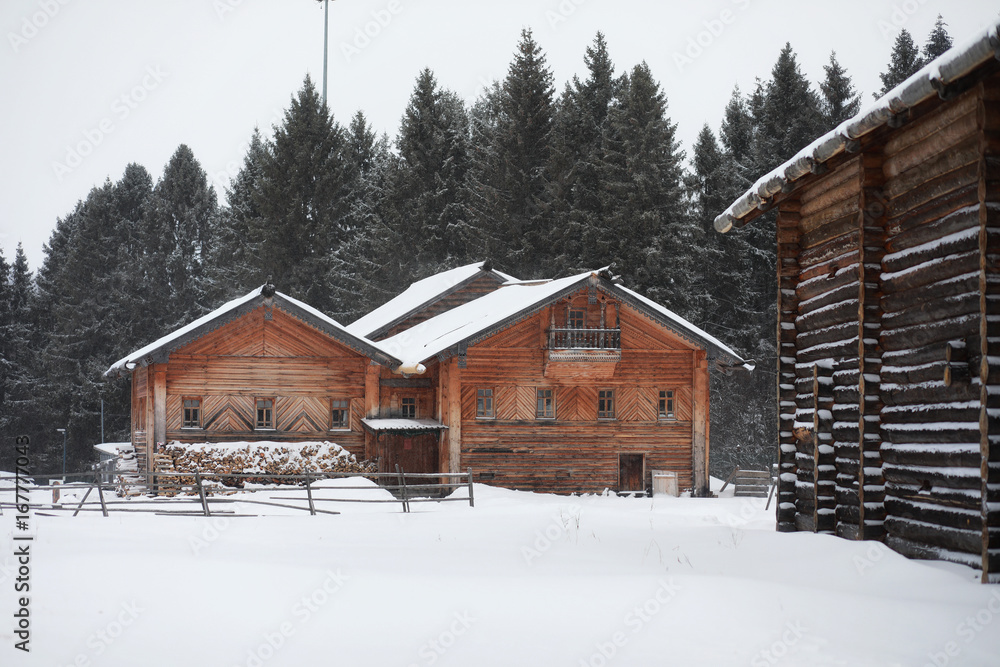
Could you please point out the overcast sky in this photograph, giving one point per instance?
(91, 85)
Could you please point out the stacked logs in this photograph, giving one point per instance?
(266, 458)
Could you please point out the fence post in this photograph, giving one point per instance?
(85, 496)
(100, 494)
(312, 507)
(402, 488)
(201, 493)
(472, 501)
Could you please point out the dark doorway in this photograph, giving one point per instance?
(416, 452)
(631, 469)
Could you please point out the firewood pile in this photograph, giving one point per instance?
(266, 458)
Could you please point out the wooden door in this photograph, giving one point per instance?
(631, 469)
(412, 453)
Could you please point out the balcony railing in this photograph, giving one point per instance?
(568, 338)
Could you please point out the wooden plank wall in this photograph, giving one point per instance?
(932, 313)
(576, 451)
(256, 357)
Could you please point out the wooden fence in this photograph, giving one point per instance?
(196, 488)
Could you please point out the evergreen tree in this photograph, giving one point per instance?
(180, 219)
(938, 41)
(485, 182)
(18, 373)
(737, 134)
(578, 143)
(302, 200)
(790, 115)
(840, 101)
(904, 61)
(236, 264)
(427, 190)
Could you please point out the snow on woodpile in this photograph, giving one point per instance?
(274, 458)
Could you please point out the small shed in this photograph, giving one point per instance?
(888, 260)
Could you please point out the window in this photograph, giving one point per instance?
(666, 405)
(265, 413)
(606, 404)
(576, 319)
(339, 411)
(545, 406)
(484, 403)
(409, 406)
(192, 413)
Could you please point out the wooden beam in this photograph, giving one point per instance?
(159, 405)
(700, 424)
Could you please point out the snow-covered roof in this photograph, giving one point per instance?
(158, 350)
(401, 424)
(513, 302)
(111, 448)
(950, 66)
(419, 295)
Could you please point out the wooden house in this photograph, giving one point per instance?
(575, 384)
(888, 231)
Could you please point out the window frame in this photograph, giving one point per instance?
(189, 424)
(345, 423)
(272, 410)
(666, 405)
(606, 414)
(484, 395)
(545, 410)
(407, 401)
(571, 318)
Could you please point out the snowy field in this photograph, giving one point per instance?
(521, 579)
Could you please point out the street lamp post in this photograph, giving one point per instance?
(63, 431)
(326, 41)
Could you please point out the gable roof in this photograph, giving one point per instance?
(159, 350)
(933, 79)
(420, 295)
(514, 302)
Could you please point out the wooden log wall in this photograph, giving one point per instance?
(266, 355)
(931, 304)
(576, 451)
(826, 344)
(788, 280)
(889, 327)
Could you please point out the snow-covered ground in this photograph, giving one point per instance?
(521, 579)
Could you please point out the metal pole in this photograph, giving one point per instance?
(102, 421)
(63, 431)
(326, 38)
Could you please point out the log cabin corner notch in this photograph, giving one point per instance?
(888, 307)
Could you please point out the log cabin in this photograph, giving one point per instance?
(888, 231)
(570, 385)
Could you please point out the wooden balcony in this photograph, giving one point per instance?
(570, 338)
(594, 351)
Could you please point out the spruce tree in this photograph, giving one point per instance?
(904, 61)
(790, 115)
(18, 373)
(427, 189)
(840, 101)
(938, 41)
(181, 219)
(302, 199)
